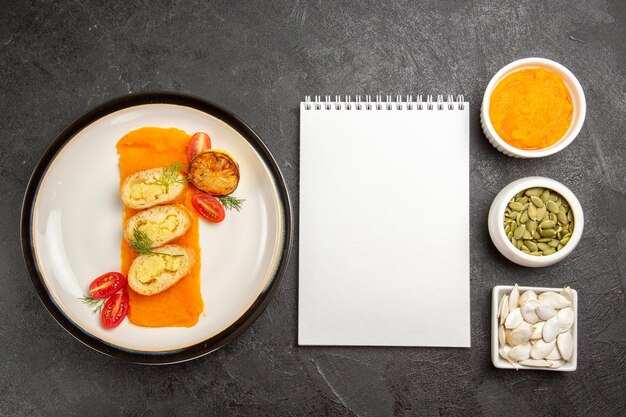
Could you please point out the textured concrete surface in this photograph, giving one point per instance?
(59, 58)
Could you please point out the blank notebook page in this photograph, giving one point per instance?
(384, 225)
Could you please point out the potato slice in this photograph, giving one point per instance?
(214, 172)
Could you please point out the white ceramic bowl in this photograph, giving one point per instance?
(496, 221)
(498, 361)
(578, 100)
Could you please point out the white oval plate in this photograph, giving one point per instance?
(71, 228)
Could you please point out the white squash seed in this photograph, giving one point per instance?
(545, 312)
(527, 296)
(528, 311)
(542, 349)
(514, 319)
(519, 335)
(565, 343)
(513, 298)
(566, 318)
(503, 311)
(551, 329)
(554, 300)
(535, 329)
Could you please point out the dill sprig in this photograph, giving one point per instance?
(95, 304)
(230, 202)
(170, 176)
(142, 243)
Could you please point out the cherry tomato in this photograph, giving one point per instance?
(114, 310)
(199, 142)
(209, 207)
(106, 285)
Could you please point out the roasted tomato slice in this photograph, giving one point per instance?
(209, 207)
(199, 142)
(214, 172)
(106, 285)
(114, 310)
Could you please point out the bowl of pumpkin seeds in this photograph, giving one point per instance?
(535, 221)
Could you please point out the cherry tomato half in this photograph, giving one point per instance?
(114, 310)
(209, 207)
(199, 142)
(106, 285)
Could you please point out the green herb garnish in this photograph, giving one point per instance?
(141, 243)
(170, 176)
(94, 303)
(230, 202)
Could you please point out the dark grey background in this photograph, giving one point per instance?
(59, 58)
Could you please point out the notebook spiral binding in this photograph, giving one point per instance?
(388, 104)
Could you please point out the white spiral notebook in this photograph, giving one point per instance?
(384, 222)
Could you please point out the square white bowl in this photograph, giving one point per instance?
(498, 361)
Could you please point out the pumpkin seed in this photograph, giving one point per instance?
(541, 213)
(552, 207)
(524, 217)
(532, 246)
(543, 246)
(537, 202)
(538, 221)
(534, 192)
(513, 215)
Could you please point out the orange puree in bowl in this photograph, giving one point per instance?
(531, 108)
(181, 304)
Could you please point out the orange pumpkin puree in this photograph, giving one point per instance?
(181, 304)
(531, 108)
